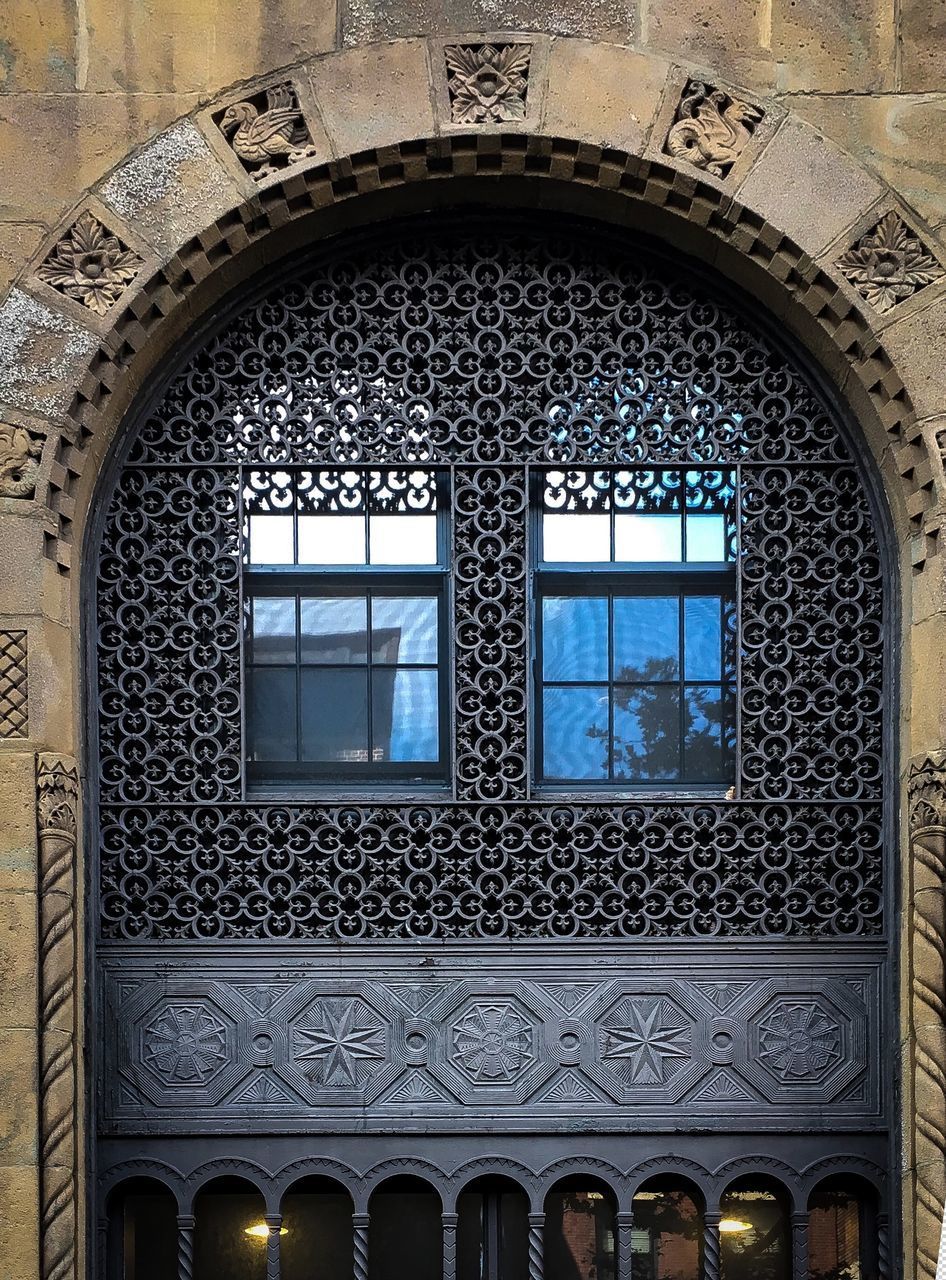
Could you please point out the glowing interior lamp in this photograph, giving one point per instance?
(260, 1231)
(732, 1225)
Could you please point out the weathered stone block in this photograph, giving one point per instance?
(902, 136)
(19, 1213)
(790, 182)
(915, 343)
(201, 45)
(927, 680)
(18, 960)
(365, 20)
(54, 146)
(374, 97)
(922, 46)
(18, 1118)
(18, 831)
(172, 189)
(18, 242)
(42, 355)
(602, 93)
(38, 47)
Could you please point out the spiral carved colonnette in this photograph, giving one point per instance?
(57, 801)
(536, 1232)
(360, 1228)
(928, 980)
(185, 1247)
(711, 1260)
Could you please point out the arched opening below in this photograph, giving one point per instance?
(842, 1230)
(405, 1233)
(492, 1230)
(753, 1231)
(230, 1231)
(142, 1231)
(317, 1220)
(580, 1228)
(667, 1236)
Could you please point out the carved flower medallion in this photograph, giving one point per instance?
(91, 265)
(492, 1043)
(487, 83)
(799, 1040)
(889, 264)
(185, 1044)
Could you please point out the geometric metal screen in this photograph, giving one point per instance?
(489, 357)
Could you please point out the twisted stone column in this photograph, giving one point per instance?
(359, 1224)
(883, 1247)
(927, 943)
(449, 1246)
(536, 1234)
(57, 787)
(711, 1262)
(185, 1246)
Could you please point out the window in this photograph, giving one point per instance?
(636, 627)
(344, 606)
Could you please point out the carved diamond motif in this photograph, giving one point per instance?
(646, 1039)
(889, 264)
(342, 1042)
(186, 1044)
(492, 1043)
(13, 685)
(800, 1040)
(91, 265)
(487, 83)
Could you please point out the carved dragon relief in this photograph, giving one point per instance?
(57, 788)
(927, 793)
(711, 128)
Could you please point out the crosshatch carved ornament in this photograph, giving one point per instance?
(14, 709)
(267, 131)
(19, 461)
(711, 128)
(487, 83)
(889, 263)
(91, 265)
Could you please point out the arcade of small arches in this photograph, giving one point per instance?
(578, 1219)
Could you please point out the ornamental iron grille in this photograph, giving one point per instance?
(259, 934)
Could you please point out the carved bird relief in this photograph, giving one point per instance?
(262, 137)
(710, 134)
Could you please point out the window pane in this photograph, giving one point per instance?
(708, 714)
(647, 734)
(642, 539)
(575, 732)
(647, 638)
(574, 638)
(702, 638)
(402, 539)
(406, 715)
(706, 538)
(335, 715)
(331, 540)
(274, 629)
(404, 629)
(574, 538)
(334, 630)
(271, 540)
(271, 727)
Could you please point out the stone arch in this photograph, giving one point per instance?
(196, 224)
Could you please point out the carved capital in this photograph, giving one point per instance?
(57, 801)
(927, 792)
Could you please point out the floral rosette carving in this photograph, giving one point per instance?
(889, 264)
(91, 265)
(487, 83)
